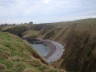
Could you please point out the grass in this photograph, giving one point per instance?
(78, 36)
(31, 34)
(16, 56)
(80, 49)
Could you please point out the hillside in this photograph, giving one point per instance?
(78, 38)
(61, 29)
(17, 56)
(80, 49)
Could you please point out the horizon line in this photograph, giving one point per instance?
(70, 20)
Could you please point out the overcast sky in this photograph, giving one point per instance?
(40, 11)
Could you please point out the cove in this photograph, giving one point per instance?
(49, 50)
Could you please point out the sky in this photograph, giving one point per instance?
(41, 11)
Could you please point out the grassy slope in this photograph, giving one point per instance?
(74, 33)
(16, 56)
(62, 29)
(31, 34)
(80, 40)
(80, 49)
